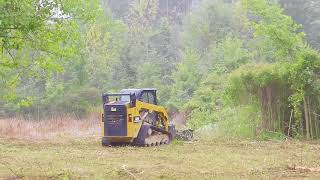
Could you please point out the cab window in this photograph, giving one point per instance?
(151, 98)
(144, 97)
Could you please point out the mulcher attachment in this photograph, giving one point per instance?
(185, 135)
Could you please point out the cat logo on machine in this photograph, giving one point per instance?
(113, 109)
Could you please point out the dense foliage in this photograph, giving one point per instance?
(240, 67)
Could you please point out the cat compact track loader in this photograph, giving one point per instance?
(133, 117)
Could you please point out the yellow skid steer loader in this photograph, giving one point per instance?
(133, 117)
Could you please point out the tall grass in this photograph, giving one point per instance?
(233, 122)
(49, 128)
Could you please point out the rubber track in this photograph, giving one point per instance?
(157, 139)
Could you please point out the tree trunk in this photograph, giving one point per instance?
(316, 125)
(310, 118)
(290, 121)
(306, 118)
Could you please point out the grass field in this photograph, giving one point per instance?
(68, 158)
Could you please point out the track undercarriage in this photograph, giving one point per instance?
(153, 130)
(156, 139)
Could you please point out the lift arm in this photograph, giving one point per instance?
(159, 109)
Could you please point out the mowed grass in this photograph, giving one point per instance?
(68, 158)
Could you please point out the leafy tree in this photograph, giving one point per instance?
(229, 55)
(273, 31)
(209, 24)
(187, 78)
(37, 36)
(307, 13)
(286, 90)
(207, 102)
(77, 51)
(105, 42)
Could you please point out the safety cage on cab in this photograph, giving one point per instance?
(131, 95)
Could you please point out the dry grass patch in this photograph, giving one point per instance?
(202, 159)
(70, 148)
(19, 128)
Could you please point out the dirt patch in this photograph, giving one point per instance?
(304, 168)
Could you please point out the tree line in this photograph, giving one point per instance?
(247, 67)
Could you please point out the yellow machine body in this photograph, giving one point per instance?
(122, 121)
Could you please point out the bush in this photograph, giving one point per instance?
(235, 122)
